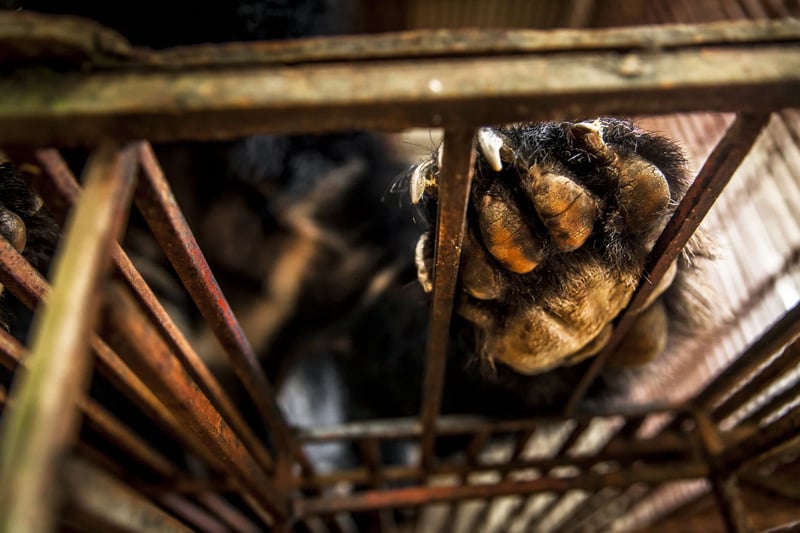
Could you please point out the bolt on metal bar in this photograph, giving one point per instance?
(723, 483)
(41, 426)
(707, 186)
(103, 503)
(142, 347)
(156, 203)
(458, 160)
(417, 496)
(67, 189)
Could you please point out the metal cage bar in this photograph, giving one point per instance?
(41, 425)
(231, 90)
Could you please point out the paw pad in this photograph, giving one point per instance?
(561, 217)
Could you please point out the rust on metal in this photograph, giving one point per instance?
(19, 277)
(40, 428)
(13, 355)
(570, 440)
(65, 191)
(470, 42)
(707, 186)
(192, 513)
(459, 93)
(31, 288)
(666, 447)
(458, 160)
(413, 497)
(28, 36)
(156, 202)
(786, 330)
(723, 483)
(768, 437)
(148, 355)
(99, 502)
(776, 369)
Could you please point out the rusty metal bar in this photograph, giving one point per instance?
(597, 501)
(723, 482)
(95, 415)
(103, 503)
(786, 362)
(66, 191)
(41, 426)
(192, 513)
(150, 357)
(81, 40)
(481, 520)
(371, 458)
(472, 454)
(784, 331)
(772, 405)
(583, 512)
(219, 103)
(155, 201)
(399, 428)
(414, 497)
(707, 186)
(466, 42)
(228, 513)
(573, 436)
(520, 442)
(669, 446)
(30, 287)
(458, 160)
(765, 439)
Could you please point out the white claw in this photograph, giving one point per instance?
(490, 144)
(439, 153)
(417, 186)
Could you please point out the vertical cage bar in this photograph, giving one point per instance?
(458, 160)
(67, 192)
(565, 447)
(707, 186)
(103, 503)
(371, 458)
(40, 428)
(481, 522)
(156, 202)
(723, 483)
(24, 282)
(150, 357)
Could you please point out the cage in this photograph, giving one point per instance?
(720, 449)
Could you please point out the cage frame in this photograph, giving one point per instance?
(386, 82)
